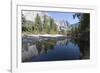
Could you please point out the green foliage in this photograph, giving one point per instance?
(45, 22)
(28, 26)
(38, 26)
(53, 26)
(23, 19)
(84, 21)
(83, 33)
(46, 25)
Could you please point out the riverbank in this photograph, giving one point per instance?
(45, 35)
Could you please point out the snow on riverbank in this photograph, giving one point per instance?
(47, 35)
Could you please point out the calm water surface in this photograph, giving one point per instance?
(49, 49)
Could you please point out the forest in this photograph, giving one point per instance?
(47, 26)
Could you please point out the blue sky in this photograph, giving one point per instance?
(58, 16)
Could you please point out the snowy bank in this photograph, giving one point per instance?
(48, 35)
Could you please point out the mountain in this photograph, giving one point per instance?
(31, 15)
(75, 25)
(62, 25)
(28, 23)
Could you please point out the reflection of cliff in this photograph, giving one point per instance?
(33, 46)
(48, 48)
(29, 53)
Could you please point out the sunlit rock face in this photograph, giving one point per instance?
(62, 25)
(31, 15)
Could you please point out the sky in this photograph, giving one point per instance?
(58, 16)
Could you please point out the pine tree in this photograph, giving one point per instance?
(23, 23)
(23, 19)
(53, 26)
(38, 24)
(45, 24)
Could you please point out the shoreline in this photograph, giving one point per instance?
(46, 35)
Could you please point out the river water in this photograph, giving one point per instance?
(49, 49)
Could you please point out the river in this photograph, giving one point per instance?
(36, 49)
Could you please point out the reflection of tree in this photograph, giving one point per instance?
(39, 46)
(45, 45)
(83, 35)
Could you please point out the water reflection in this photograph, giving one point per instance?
(51, 49)
(45, 45)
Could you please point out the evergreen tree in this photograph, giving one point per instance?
(84, 21)
(23, 23)
(45, 24)
(23, 19)
(51, 23)
(53, 26)
(38, 24)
